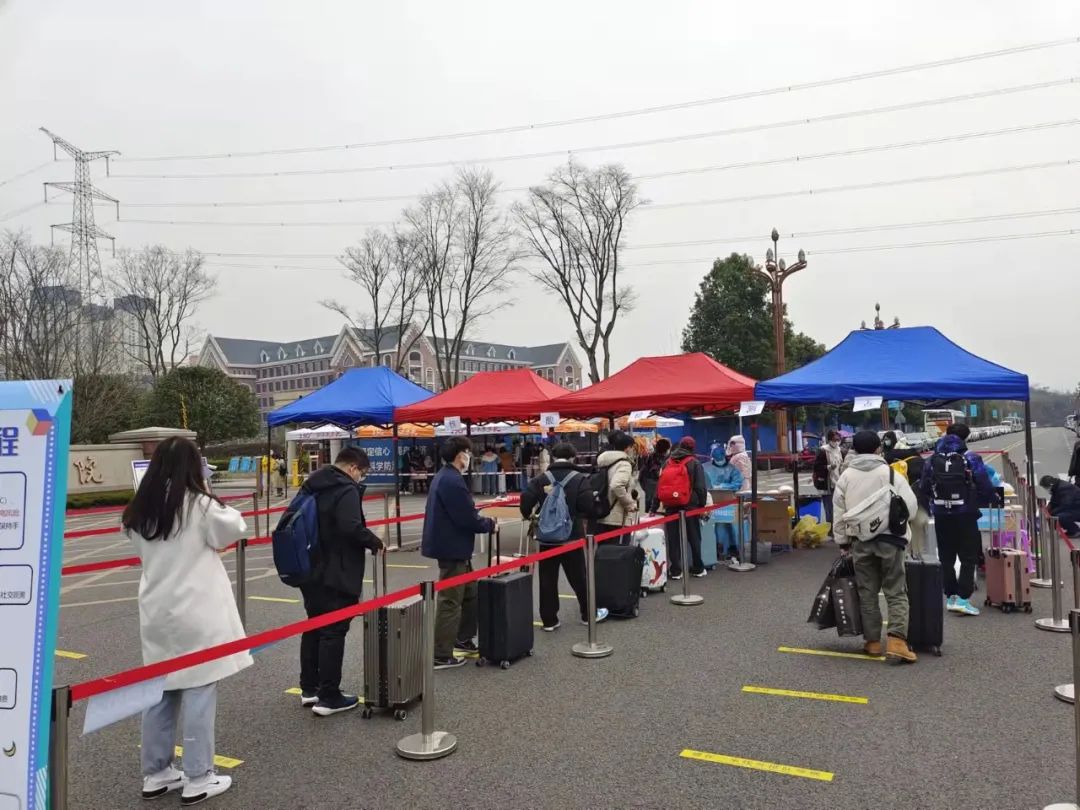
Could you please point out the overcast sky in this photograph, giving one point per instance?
(156, 79)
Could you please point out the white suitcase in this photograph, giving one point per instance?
(654, 574)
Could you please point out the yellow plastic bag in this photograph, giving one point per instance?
(808, 533)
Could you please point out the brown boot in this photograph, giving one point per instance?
(897, 649)
(872, 648)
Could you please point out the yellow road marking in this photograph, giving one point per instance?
(763, 690)
(567, 596)
(296, 691)
(403, 565)
(219, 761)
(538, 624)
(67, 654)
(757, 765)
(830, 653)
(275, 599)
(459, 654)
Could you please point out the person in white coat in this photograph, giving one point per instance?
(185, 604)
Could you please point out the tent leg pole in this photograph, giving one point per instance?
(397, 488)
(1029, 448)
(268, 479)
(753, 491)
(794, 458)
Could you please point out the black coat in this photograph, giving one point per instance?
(1074, 462)
(1064, 499)
(580, 498)
(344, 538)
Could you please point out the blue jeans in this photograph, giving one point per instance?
(727, 540)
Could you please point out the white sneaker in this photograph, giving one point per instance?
(203, 788)
(164, 781)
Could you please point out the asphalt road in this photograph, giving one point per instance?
(976, 728)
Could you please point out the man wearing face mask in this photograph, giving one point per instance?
(451, 524)
(344, 540)
(827, 467)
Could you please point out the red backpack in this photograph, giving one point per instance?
(674, 487)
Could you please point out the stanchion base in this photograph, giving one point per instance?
(584, 649)
(690, 599)
(1062, 806)
(1040, 583)
(1066, 692)
(740, 566)
(421, 747)
(1061, 626)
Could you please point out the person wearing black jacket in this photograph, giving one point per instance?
(895, 450)
(1064, 503)
(580, 501)
(1074, 464)
(699, 497)
(344, 539)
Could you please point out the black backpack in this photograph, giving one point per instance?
(898, 510)
(821, 471)
(951, 480)
(598, 483)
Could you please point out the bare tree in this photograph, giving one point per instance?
(466, 250)
(574, 224)
(384, 266)
(159, 292)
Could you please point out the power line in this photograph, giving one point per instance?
(668, 139)
(253, 224)
(27, 173)
(504, 130)
(19, 211)
(930, 178)
(932, 223)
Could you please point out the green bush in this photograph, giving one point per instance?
(85, 500)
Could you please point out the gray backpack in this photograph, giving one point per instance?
(555, 524)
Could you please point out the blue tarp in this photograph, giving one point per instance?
(917, 364)
(361, 396)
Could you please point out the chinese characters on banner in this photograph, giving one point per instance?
(34, 432)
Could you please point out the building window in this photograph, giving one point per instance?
(570, 370)
(318, 347)
(281, 353)
(429, 378)
(264, 357)
(386, 360)
(511, 355)
(491, 351)
(299, 350)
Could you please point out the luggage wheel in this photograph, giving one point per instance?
(479, 662)
(400, 714)
(366, 712)
(936, 651)
(1027, 608)
(644, 593)
(637, 611)
(504, 664)
(529, 654)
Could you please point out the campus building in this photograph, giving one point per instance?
(278, 373)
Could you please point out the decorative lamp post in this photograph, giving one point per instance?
(776, 270)
(880, 324)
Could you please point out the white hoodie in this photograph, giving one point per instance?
(865, 475)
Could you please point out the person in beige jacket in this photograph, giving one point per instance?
(622, 492)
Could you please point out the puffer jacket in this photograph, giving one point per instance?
(622, 486)
(865, 474)
(737, 455)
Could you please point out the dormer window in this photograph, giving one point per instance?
(491, 351)
(511, 355)
(299, 350)
(264, 357)
(281, 353)
(318, 347)
(470, 349)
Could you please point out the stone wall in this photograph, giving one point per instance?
(101, 467)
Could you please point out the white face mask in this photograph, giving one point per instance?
(834, 444)
(466, 460)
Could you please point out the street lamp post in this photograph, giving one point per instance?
(776, 270)
(880, 324)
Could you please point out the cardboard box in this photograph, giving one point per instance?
(774, 523)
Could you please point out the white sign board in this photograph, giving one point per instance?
(866, 403)
(452, 423)
(751, 408)
(138, 470)
(549, 420)
(35, 423)
(639, 416)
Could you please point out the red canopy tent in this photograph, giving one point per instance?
(675, 383)
(516, 395)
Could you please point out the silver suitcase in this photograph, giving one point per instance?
(393, 663)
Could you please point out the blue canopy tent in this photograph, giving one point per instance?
(361, 396)
(916, 364)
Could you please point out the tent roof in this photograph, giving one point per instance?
(317, 434)
(490, 395)
(915, 364)
(680, 382)
(361, 396)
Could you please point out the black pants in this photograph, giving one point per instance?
(573, 563)
(674, 546)
(322, 650)
(958, 536)
(1069, 522)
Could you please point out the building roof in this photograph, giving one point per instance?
(387, 341)
(244, 352)
(529, 355)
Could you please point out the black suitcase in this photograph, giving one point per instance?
(618, 578)
(505, 615)
(926, 616)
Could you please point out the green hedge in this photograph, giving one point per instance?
(85, 500)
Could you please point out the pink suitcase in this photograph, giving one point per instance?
(1008, 583)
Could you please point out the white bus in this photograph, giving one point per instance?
(937, 421)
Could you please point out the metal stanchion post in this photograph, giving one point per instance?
(429, 743)
(1056, 623)
(1041, 580)
(58, 748)
(685, 598)
(743, 564)
(1074, 625)
(241, 580)
(1067, 691)
(255, 517)
(592, 648)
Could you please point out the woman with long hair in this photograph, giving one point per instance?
(185, 604)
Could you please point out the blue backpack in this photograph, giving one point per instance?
(296, 540)
(555, 524)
